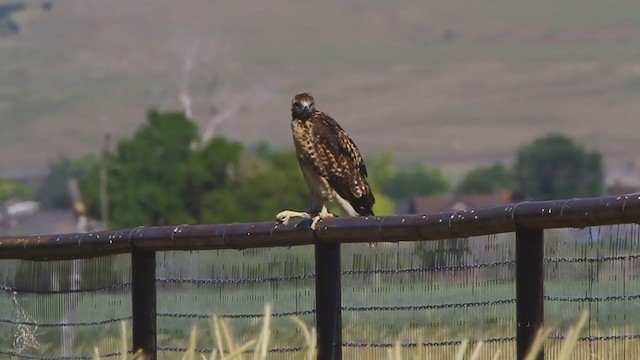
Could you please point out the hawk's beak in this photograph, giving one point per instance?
(306, 108)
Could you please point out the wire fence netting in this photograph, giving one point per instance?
(64, 309)
(427, 297)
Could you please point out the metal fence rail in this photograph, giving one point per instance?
(526, 219)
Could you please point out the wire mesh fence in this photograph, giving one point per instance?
(64, 309)
(595, 269)
(235, 286)
(424, 295)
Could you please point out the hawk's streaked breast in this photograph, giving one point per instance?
(330, 161)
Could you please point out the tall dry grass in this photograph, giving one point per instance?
(226, 346)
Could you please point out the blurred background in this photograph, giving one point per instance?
(117, 114)
(161, 112)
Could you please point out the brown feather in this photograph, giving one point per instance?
(327, 152)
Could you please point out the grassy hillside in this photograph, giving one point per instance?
(443, 80)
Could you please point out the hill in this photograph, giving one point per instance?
(440, 81)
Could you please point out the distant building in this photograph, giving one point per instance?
(27, 218)
(620, 189)
(448, 202)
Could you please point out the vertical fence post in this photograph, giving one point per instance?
(328, 301)
(143, 302)
(529, 288)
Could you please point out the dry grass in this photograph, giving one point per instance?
(226, 346)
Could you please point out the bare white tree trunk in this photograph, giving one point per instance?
(232, 105)
(188, 60)
(220, 107)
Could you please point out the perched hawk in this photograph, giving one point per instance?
(331, 164)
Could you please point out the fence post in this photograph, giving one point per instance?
(143, 302)
(529, 288)
(328, 301)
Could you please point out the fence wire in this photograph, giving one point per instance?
(64, 309)
(425, 295)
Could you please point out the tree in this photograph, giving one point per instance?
(384, 204)
(53, 192)
(208, 169)
(145, 173)
(198, 92)
(157, 178)
(11, 188)
(258, 196)
(554, 167)
(486, 180)
(403, 183)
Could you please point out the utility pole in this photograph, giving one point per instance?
(104, 182)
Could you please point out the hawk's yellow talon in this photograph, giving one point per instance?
(324, 213)
(285, 215)
(315, 221)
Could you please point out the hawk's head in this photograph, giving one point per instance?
(303, 106)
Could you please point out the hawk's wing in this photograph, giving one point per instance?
(338, 160)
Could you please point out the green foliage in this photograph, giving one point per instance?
(145, 173)
(486, 180)
(208, 169)
(157, 178)
(10, 188)
(554, 167)
(53, 192)
(267, 184)
(402, 183)
(384, 204)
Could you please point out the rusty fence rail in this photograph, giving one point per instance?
(526, 219)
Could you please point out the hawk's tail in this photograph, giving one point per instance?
(364, 204)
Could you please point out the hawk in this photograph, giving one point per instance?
(330, 162)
